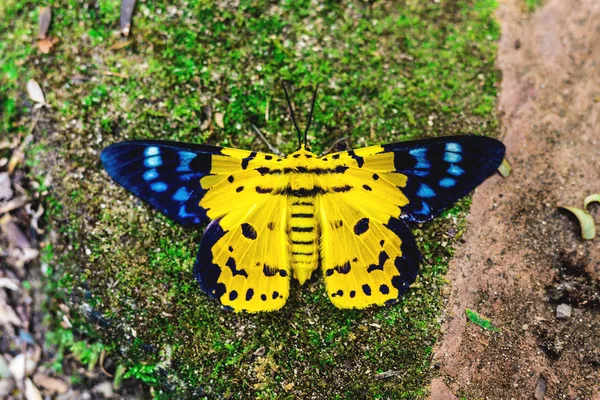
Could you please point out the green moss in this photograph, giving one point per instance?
(388, 71)
(532, 4)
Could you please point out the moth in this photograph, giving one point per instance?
(276, 218)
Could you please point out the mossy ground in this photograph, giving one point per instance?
(388, 71)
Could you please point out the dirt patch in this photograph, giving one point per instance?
(522, 257)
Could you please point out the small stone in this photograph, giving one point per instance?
(540, 389)
(4, 371)
(105, 389)
(21, 366)
(6, 192)
(563, 311)
(6, 387)
(440, 391)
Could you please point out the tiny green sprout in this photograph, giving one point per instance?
(504, 168)
(586, 221)
(480, 321)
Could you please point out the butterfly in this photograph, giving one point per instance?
(276, 218)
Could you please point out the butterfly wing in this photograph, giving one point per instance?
(441, 171)
(243, 259)
(368, 254)
(243, 256)
(164, 174)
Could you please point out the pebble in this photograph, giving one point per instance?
(6, 387)
(563, 311)
(105, 389)
(540, 389)
(21, 366)
(4, 371)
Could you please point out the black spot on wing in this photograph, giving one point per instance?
(234, 271)
(359, 160)
(268, 271)
(271, 226)
(342, 189)
(249, 294)
(248, 231)
(246, 160)
(233, 295)
(361, 226)
(383, 257)
(366, 289)
(230, 178)
(384, 289)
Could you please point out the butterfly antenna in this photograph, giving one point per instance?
(287, 97)
(310, 116)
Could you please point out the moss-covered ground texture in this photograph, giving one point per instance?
(388, 71)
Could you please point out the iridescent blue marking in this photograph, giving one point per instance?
(153, 162)
(150, 174)
(425, 209)
(158, 186)
(455, 170)
(422, 164)
(425, 191)
(447, 182)
(420, 172)
(185, 214)
(418, 153)
(181, 194)
(453, 147)
(151, 151)
(185, 158)
(452, 157)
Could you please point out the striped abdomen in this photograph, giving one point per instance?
(304, 237)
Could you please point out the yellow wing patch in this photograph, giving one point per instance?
(367, 257)
(249, 255)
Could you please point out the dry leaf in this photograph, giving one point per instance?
(219, 120)
(10, 284)
(21, 366)
(44, 22)
(592, 198)
(52, 385)
(35, 92)
(45, 45)
(121, 45)
(127, 7)
(15, 235)
(504, 168)
(6, 191)
(13, 204)
(31, 392)
(588, 228)
(8, 316)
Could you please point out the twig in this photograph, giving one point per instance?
(340, 140)
(264, 139)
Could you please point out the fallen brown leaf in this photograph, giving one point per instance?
(44, 20)
(31, 391)
(51, 385)
(14, 234)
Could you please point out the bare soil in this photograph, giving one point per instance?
(522, 256)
